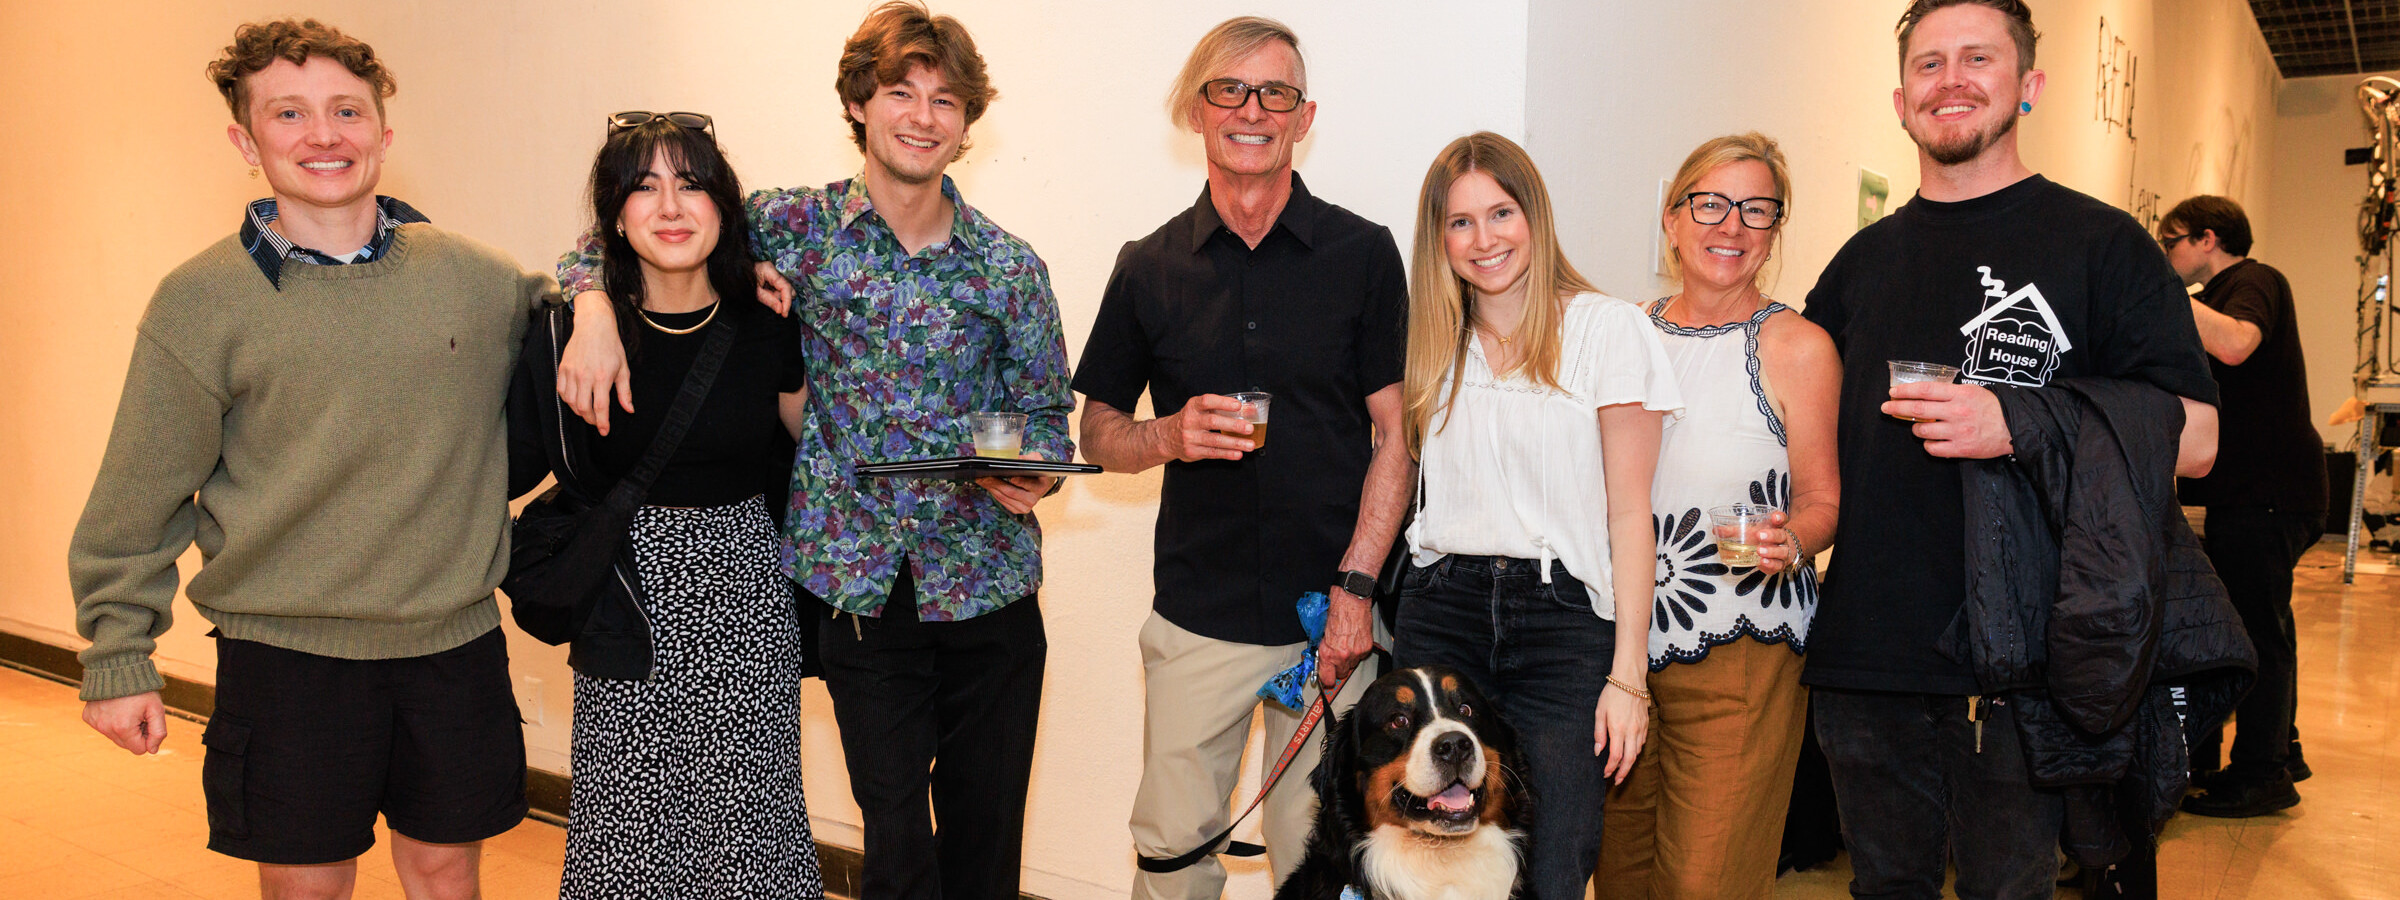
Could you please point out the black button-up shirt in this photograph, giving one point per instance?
(1314, 315)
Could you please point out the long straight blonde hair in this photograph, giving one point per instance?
(1441, 304)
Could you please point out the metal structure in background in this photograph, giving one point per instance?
(2376, 376)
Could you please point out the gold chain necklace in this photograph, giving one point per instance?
(712, 315)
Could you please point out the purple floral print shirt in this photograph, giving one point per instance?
(901, 347)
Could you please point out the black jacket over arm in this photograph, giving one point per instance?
(2091, 609)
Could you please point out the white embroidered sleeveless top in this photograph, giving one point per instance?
(1727, 448)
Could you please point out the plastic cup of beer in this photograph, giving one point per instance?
(1907, 372)
(1254, 411)
(1737, 527)
(999, 434)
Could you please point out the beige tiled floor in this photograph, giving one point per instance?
(79, 818)
(2343, 840)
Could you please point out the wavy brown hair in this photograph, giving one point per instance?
(2020, 25)
(1441, 304)
(898, 36)
(257, 45)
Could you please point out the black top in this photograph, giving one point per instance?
(736, 447)
(2269, 456)
(2021, 286)
(1313, 315)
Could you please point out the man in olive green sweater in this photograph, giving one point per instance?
(317, 402)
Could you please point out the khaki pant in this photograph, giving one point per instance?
(1199, 697)
(1702, 814)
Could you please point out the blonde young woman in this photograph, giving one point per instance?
(1535, 406)
(1702, 815)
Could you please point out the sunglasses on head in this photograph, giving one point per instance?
(699, 122)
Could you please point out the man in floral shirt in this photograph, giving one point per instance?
(916, 310)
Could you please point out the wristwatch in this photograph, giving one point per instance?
(1356, 582)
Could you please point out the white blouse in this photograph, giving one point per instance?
(1513, 468)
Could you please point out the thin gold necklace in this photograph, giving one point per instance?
(712, 315)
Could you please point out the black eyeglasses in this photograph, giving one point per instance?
(1711, 208)
(2168, 241)
(699, 122)
(1229, 93)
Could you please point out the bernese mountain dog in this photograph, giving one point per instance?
(1419, 797)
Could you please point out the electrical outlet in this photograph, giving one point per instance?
(529, 700)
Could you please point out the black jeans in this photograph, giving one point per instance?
(940, 708)
(1913, 789)
(1539, 652)
(2254, 552)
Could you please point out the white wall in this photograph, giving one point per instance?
(1621, 90)
(2311, 229)
(124, 171)
(499, 111)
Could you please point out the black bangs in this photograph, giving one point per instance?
(623, 162)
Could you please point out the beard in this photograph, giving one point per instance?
(1964, 147)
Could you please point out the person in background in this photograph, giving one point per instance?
(687, 710)
(1535, 404)
(1702, 814)
(2266, 498)
(352, 533)
(915, 310)
(1259, 286)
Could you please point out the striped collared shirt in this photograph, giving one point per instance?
(270, 249)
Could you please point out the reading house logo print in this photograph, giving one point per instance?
(2017, 340)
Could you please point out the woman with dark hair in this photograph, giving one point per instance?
(687, 720)
(1534, 405)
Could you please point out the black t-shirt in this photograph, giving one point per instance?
(736, 447)
(1315, 316)
(2027, 284)
(2269, 456)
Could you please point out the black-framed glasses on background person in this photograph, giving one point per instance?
(1231, 93)
(699, 122)
(1711, 208)
(2167, 242)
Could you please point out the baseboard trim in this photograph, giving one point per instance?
(546, 792)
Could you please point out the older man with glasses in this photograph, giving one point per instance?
(1260, 286)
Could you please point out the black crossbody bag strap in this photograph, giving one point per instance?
(630, 490)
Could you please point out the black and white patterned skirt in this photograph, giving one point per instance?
(688, 785)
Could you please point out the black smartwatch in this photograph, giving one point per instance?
(1356, 582)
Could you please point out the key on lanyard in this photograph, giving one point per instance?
(1975, 715)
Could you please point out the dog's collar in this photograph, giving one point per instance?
(1351, 892)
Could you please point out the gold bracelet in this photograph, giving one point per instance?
(1627, 688)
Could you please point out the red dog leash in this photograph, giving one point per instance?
(1291, 750)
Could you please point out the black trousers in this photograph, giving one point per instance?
(2254, 552)
(939, 709)
(1917, 789)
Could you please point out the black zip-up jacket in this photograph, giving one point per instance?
(2091, 608)
(545, 438)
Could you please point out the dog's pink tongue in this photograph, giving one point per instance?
(1455, 799)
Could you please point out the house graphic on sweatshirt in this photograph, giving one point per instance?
(2017, 340)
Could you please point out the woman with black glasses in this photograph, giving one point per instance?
(1702, 815)
(687, 720)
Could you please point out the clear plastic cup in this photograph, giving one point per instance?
(1254, 411)
(1737, 527)
(1908, 372)
(998, 434)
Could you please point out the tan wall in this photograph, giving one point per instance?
(2310, 231)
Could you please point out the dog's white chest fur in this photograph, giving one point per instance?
(1399, 864)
